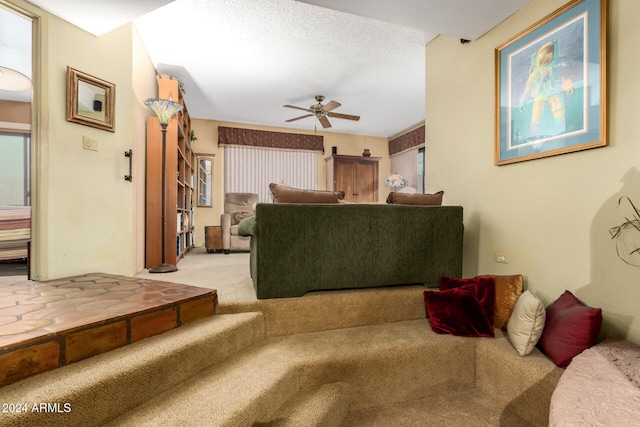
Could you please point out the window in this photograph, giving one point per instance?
(251, 170)
(14, 169)
(205, 181)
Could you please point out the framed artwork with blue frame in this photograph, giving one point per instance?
(551, 82)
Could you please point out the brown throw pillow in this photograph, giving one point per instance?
(282, 194)
(508, 289)
(395, 198)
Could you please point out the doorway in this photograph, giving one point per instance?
(16, 41)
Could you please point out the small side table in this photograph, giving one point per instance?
(213, 238)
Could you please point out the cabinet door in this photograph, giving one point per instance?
(367, 182)
(344, 176)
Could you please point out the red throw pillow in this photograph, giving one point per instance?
(457, 312)
(569, 329)
(485, 286)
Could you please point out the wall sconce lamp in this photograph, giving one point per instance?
(164, 109)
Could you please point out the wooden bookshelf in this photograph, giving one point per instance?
(180, 164)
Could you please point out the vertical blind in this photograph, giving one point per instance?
(406, 164)
(251, 170)
(404, 152)
(255, 158)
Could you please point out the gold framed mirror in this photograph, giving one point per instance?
(205, 180)
(90, 100)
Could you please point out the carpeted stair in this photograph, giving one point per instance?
(226, 371)
(323, 406)
(101, 387)
(278, 381)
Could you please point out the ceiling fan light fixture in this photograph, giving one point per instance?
(13, 80)
(322, 112)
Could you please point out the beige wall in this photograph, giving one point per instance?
(207, 133)
(86, 217)
(14, 112)
(550, 216)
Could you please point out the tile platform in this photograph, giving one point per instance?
(45, 325)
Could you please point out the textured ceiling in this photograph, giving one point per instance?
(99, 16)
(242, 60)
(465, 19)
(257, 55)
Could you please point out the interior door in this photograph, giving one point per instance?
(367, 182)
(344, 179)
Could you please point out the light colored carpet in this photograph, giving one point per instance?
(228, 274)
(469, 408)
(381, 364)
(323, 310)
(328, 359)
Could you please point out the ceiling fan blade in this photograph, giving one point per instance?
(343, 116)
(332, 105)
(298, 108)
(324, 122)
(298, 118)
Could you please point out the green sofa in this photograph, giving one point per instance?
(296, 248)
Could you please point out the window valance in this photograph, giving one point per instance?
(267, 139)
(407, 141)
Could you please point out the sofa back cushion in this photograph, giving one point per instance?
(284, 194)
(239, 205)
(239, 202)
(396, 198)
(318, 246)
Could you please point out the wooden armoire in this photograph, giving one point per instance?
(357, 176)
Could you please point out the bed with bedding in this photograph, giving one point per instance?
(15, 231)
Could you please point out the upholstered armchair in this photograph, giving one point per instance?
(236, 207)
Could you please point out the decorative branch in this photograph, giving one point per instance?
(628, 251)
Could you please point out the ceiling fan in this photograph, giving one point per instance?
(322, 112)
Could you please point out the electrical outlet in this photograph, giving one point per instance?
(89, 144)
(502, 258)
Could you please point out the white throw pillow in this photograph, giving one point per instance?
(526, 323)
